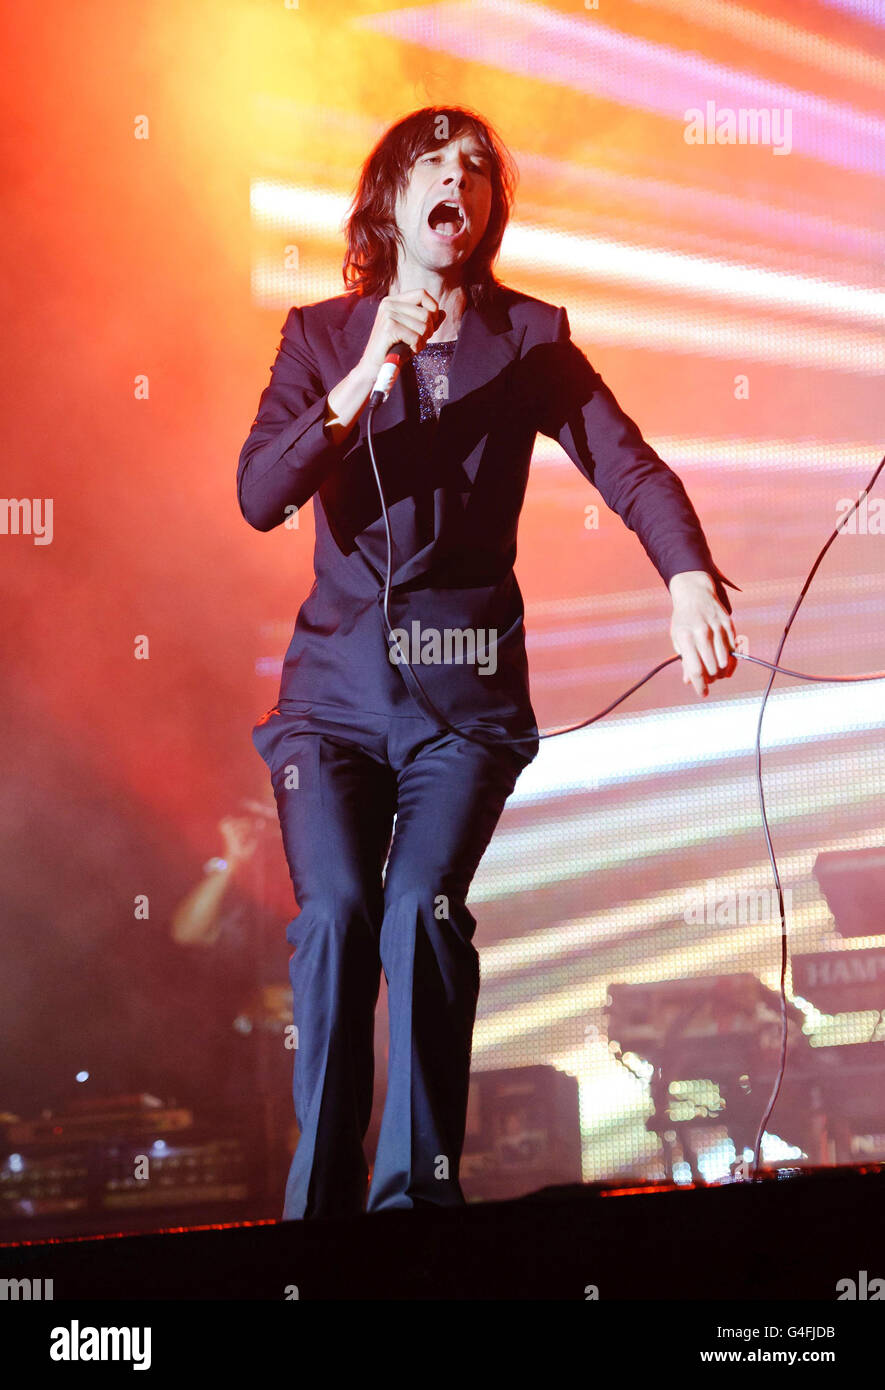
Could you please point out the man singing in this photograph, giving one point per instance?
(363, 774)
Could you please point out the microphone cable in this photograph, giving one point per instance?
(774, 667)
(422, 698)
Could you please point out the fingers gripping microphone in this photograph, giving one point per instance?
(397, 357)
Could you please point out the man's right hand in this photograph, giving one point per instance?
(411, 317)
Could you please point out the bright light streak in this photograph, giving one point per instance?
(615, 751)
(584, 55)
(595, 258)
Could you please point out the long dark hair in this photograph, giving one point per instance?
(373, 240)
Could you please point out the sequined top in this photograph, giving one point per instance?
(431, 367)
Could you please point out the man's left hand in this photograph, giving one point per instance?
(701, 631)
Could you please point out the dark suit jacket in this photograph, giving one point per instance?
(454, 490)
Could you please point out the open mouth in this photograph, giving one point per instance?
(447, 219)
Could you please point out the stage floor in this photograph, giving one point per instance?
(792, 1235)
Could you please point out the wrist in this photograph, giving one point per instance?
(362, 376)
(690, 580)
(345, 401)
(217, 865)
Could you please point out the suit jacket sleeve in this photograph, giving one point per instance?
(580, 411)
(288, 453)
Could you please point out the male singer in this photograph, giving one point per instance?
(347, 745)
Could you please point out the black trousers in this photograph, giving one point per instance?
(339, 780)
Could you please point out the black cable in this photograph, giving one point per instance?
(774, 668)
(405, 664)
(780, 897)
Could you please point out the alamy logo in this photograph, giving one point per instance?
(720, 907)
(25, 1290)
(459, 646)
(27, 517)
(862, 1289)
(76, 1343)
(744, 125)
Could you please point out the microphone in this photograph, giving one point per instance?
(397, 357)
